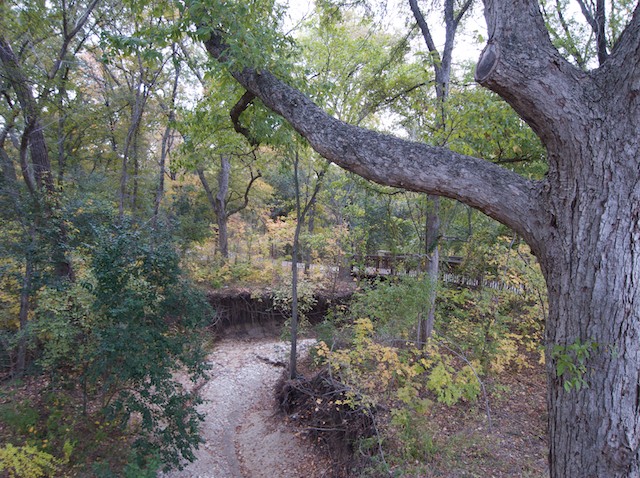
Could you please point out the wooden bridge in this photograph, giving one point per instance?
(384, 264)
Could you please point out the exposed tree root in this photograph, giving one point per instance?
(331, 413)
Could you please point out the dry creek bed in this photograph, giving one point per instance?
(243, 436)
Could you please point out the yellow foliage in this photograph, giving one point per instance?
(508, 353)
(27, 462)
(380, 372)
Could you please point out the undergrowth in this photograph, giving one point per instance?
(366, 375)
(102, 399)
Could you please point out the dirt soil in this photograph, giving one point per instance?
(243, 437)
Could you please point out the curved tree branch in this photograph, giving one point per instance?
(243, 103)
(499, 193)
(245, 201)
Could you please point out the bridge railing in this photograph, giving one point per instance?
(388, 264)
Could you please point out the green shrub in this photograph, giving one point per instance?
(20, 417)
(118, 334)
(393, 304)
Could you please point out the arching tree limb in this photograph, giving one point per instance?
(499, 193)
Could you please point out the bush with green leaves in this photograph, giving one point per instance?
(393, 304)
(120, 332)
(501, 321)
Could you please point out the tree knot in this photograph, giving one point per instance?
(487, 62)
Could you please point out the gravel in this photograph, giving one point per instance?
(243, 437)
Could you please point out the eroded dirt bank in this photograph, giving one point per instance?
(242, 438)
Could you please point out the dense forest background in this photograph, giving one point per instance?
(137, 175)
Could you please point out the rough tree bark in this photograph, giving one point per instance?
(582, 221)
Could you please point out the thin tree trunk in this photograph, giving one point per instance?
(432, 251)
(442, 71)
(25, 295)
(62, 136)
(310, 228)
(220, 207)
(136, 176)
(161, 173)
(301, 213)
(167, 141)
(293, 355)
(219, 203)
(136, 119)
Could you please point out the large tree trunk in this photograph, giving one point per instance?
(589, 244)
(592, 267)
(594, 301)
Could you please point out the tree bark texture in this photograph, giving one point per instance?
(582, 221)
(33, 135)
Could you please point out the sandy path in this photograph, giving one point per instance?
(241, 437)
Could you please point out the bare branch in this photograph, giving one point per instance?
(243, 103)
(462, 11)
(207, 188)
(571, 47)
(596, 21)
(68, 36)
(424, 29)
(245, 203)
